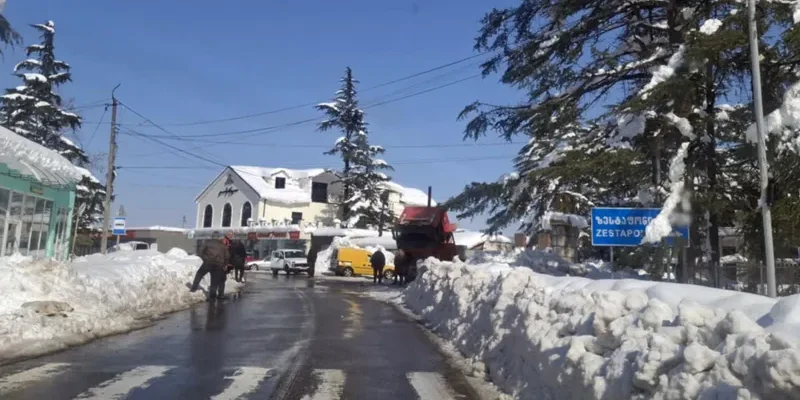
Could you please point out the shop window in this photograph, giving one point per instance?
(28, 208)
(4, 198)
(296, 218)
(247, 212)
(319, 192)
(280, 183)
(226, 215)
(46, 221)
(208, 216)
(14, 222)
(37, 227)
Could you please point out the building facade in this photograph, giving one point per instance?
(37, 197)
(242, 196)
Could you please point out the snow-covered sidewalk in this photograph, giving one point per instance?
(540, 336)
(91, 297)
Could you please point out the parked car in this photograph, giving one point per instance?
(253, 264)
(289, 261)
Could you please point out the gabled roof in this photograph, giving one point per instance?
(254, 177)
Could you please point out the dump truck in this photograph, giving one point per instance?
(423, 232)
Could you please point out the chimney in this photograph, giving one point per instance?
(430, 189)
(520, 240)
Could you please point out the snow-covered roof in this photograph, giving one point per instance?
(36, 161)
(471, 239)
(410, 196)
(298, 186)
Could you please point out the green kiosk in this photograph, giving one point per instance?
(37, 197)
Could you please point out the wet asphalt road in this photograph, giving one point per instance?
(281, 338)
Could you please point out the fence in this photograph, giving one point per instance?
(750, 277)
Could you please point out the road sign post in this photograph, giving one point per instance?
(119, 227)
(625, 227)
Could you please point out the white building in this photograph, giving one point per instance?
(242, 196)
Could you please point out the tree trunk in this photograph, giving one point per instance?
(712, 169)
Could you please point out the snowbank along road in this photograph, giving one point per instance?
(281, 338)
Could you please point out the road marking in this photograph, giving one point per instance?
(245, 381)
(119, 386)
(20, 379)
(430, 386)
(330, 385)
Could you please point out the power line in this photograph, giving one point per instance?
(310, 104)
(408, 162)
(308, 120)
(317, 146)
(105, 111)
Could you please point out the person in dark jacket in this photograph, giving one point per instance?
(378, 261)
(216, 257)
(238, 256)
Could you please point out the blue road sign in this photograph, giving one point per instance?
(119, 226)
(625, 227)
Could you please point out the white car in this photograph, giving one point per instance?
(289, 260)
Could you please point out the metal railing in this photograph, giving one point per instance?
(749, 277)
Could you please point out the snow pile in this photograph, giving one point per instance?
(95, 296)
(540, 336)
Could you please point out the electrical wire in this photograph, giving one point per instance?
(408, 162)
(310, 104)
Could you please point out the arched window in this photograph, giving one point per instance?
(208, 216)
(226, 215)
(247, 212)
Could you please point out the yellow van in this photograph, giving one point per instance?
(348, 261)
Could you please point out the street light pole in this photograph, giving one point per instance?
(762, 149)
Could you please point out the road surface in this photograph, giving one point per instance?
(281, 338)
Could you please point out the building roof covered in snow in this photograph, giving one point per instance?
(471, 239)
(297, 187)
(410, 196)
(35, 161)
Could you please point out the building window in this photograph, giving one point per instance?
(226, 215)
(208, 216)
(247, 212)
(296, 218)
(280, 183)
(319, 192)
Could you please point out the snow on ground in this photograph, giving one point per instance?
(91, 297)
(539, 336)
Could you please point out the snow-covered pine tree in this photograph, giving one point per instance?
(7, 33)
(344, 115)
(568, 57)
(35, 110)
(369, 203)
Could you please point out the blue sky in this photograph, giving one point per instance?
(185, 61)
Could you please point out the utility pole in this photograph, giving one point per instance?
(112, 152)
(766, 215)
(183, 222)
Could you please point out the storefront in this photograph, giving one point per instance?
(259, 241)
(37, 196)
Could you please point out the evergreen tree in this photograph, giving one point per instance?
(369, 203)
(35, 111)
(361, 177)
(663, 72)
(7, 34)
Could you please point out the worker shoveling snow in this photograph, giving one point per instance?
(540, 336)
(48, 305)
